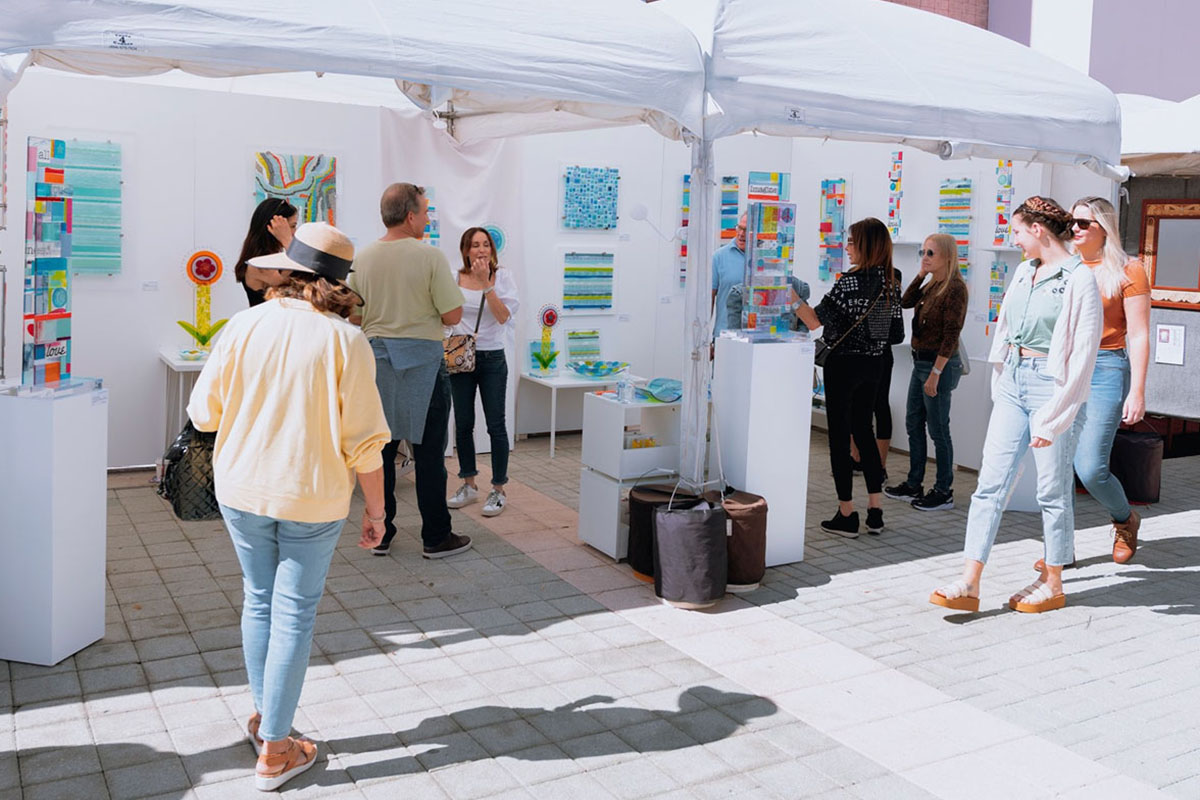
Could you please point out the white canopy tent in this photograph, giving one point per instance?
(508, 66)
(855, 69)
(866, 70)
(1159, 137)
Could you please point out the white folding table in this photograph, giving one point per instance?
(569, 381)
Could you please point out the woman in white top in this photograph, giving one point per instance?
(489, 301)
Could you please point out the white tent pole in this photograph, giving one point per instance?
(697, 318)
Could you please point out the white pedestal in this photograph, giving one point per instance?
(763, 411)
(53, 472)
(610, 469)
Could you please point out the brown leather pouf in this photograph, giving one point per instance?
(747, 543)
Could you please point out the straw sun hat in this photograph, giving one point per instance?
(316, 247)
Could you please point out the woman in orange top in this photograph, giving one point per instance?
(1118, 391)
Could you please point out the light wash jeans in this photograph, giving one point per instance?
(283, 576)
(934, 413)
(1023, 388)
(1106, 402)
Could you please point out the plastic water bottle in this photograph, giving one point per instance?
(624, 391)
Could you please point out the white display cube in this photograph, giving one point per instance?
(53, 474)
(611, 466)
(762, 410)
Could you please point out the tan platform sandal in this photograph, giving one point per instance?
(276, 769)
(252, 736)
(1036, 598)
(954, 596)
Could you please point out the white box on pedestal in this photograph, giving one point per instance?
(762, 410)
(53, 523)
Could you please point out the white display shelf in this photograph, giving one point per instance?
(993, 249)
(604, 424)
(610, 469)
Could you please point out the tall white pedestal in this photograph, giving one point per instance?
(762, 406)
(53, 462)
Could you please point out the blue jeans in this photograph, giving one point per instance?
(283, 576)
(491, 377)
(934, 413)
(1023, 388)
(1110, 384)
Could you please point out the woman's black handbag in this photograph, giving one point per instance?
(187, 480)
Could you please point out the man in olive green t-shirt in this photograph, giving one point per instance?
(409, 293)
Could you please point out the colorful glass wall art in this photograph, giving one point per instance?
(831, 229)
(685, 210)
(433, 228)
(1004, 196)
(307, 182)
(954, 216)
(590, 198)
(46, 311)
(588, 282)
(729, 208)
(773, 187)
(895, 193)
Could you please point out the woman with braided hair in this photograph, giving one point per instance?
(1047, 336)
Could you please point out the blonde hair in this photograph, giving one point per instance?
(1110, 275)
(945, 245)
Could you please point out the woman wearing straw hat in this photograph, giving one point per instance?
(290, 391)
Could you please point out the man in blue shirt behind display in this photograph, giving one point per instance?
(728, 270)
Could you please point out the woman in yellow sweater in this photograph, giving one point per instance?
(290, 390)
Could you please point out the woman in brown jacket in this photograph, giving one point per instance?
(940, 307)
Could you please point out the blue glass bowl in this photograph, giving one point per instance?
(597, 369)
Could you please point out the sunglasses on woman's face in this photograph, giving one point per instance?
(923, 253)
(1084, 224)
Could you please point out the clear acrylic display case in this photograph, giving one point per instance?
(770, 253)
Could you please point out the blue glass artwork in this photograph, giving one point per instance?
(590, 198)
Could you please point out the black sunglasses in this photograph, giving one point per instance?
(923, 253)
(1083, 224)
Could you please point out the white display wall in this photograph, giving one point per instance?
(188, 169)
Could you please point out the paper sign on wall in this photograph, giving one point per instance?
(1168, 344)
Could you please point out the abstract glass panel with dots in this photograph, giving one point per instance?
(590, 198)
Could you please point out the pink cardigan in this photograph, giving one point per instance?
(1073, 348)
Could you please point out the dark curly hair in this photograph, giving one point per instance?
(1047, 213)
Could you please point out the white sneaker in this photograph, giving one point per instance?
(463, 497)
(495, 503)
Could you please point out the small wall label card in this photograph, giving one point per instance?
(1168, 344)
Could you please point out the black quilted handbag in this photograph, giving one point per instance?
(188, 475)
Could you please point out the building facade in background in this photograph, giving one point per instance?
(1131, 46)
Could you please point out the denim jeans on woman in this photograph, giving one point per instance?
(283, 577)
(1024, 387)
(932, 413)
(1105, 406)
(491, 377)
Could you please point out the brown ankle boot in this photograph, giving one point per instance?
(1125, 537)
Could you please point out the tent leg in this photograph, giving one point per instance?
(697, 319)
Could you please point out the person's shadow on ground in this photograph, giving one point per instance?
(704, 715)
